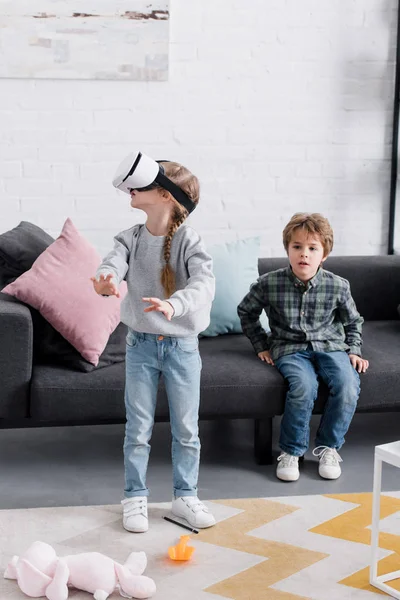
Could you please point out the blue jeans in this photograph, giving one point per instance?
(178, 360)
(301, 371)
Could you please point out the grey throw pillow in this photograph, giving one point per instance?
(19, 248)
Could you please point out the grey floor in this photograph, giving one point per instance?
(71, 466)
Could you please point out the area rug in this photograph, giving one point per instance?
(287, 548)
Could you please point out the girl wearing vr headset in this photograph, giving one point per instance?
(166, 267)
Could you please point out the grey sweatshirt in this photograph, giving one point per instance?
(137, 257)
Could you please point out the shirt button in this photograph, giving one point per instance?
(302, 312)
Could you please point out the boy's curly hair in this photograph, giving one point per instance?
(311, 223)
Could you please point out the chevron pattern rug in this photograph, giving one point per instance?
(287, 548)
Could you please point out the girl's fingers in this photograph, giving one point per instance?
(104, 287)
(152, 300)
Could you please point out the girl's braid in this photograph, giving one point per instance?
(167, 275)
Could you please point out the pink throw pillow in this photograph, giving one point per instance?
(58, 285)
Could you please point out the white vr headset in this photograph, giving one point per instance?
(140, 172)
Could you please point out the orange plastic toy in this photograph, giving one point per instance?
(181, 551)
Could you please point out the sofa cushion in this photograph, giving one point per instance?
(19, 248)
(234, 383)
(61, 394)
(235, 266)
(58, 285)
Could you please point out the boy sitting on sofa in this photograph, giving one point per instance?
(315, 334)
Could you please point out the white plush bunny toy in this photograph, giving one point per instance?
(40, 573)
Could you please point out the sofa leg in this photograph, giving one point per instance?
(263, 441)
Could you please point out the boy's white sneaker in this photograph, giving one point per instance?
(329, 459)
(135, 517)
(193, 510)
(287, 468)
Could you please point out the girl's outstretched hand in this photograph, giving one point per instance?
(104, 286)
(160, 306)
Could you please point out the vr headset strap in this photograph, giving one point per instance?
(176, 191)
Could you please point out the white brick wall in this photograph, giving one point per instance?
(277, 105)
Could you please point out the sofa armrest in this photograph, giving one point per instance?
(16, 342)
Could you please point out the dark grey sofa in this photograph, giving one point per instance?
(235, 384)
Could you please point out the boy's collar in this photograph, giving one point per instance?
(312, 282)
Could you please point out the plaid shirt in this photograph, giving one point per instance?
(321, 313)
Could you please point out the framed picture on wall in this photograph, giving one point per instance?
(84, 39)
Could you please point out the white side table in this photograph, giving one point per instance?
(388, 453)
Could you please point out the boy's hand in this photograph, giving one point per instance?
(160, 306)
(266, 357)
(104, 286)
(360, 364)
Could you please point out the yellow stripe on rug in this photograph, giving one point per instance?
(352, 526)
(283, 559)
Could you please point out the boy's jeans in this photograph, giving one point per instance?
(178, 359)
(301, 371)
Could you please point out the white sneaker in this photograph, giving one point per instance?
(135, 514)
(194, 511)
(288, 467)
(329, 459)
